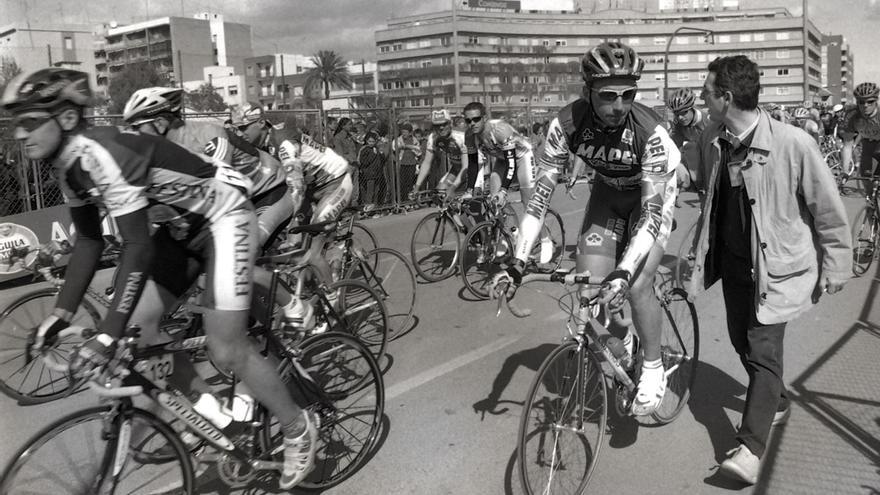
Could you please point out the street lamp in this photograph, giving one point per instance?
(706, 32)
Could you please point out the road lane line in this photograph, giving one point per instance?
(447, 367)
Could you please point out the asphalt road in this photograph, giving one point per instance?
(438, 441)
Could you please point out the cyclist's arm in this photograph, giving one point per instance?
(659, 161)
(550, 165)
(292, 164)
(220, 148)
(424, 169)
(83, 260)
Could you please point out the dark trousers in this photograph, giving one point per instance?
(760, 349)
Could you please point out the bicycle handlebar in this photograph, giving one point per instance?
(565, 278)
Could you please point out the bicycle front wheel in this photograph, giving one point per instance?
(434, 247)
(394, 280)
(95, 451)
(485, 248)
(343, 386)
(550, 248)
(864, 239)
(563, 422)
(364, 240)
(34, 383)
(362, 314)
(684, 265)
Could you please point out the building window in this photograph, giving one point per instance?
(724, 38)
(659, 41)
(398, 84)
(494, 98)
(633, 41)
(702, 75)
(782, 36)
(781, 72)
(548, 99)
(475, 60)
(424, 43)
(412, 45)
(446, 40)
(233, 90)
(759, 55)
(782, 91)
(681, 40)
(561, 43)
(386, 85)
(682, 58)
(399, 103)
(384, 49)
(426, 63)
(545, 42)
(683, 76)
(397, 47)
(745, 37)
(759, 36)
(474, 40)
(701, 57)
(429, 102)
(523, 99)
(446, 61)
(448, 100)
(414, 102)
(658, 77)
(68, 43)
(781, 53)
(280, 88)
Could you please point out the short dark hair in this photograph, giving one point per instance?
(475, 105)
(740, 76)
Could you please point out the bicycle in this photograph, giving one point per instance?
(436, 241)
(866, 230)
(684, 265)
(492, 243)
(124, 448)
(565, 413)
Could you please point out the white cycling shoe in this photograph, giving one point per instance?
(650, 391)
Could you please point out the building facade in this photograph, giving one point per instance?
(34, 47)
(837, 68)
(533, 59)
(179, 47)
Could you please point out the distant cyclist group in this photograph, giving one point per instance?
(195, 199)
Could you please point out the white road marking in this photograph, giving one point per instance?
(447, 367)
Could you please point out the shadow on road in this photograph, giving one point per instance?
(715, 391)
(527, 358)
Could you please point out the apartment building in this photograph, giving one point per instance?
(837, 68)
(517, 59)
(34, 46)
(179, 47)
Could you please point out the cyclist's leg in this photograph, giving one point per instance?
(331, 201)
(526, 172)
(647, 314)
(273, 209)
(870, 153)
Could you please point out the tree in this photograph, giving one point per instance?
(204, 99)
(130, 79)
(330, 70)
(9, 68)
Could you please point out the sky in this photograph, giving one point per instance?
(348, 26)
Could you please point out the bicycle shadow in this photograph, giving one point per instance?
(530, 359)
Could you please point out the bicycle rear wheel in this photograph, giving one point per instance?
(362, 313)
(394, 280)
(364, 240)
(680, 351)
(551, 243)
(81, 453)
(485, 247)
(434, 247)
(563, 422)
(345, 389)
(864, 239)
(33, 383)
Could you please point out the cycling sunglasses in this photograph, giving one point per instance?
(868, 101)
(30, 124)
(610, 95)
(473, 120)
(443, 125)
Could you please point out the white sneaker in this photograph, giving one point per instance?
(652, 387)
(299, 455)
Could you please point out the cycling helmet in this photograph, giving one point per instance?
(246, 114)
(146, 104)
(611, 59)
(440, 116)
(801, 113)
(682, 99)
(47, 89)
(866, 90)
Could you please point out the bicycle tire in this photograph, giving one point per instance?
(554, 229)
(680, 352)
(684, 264)
(394, 280)
(364, 239)
(61, 457)
(864, 238)
(362, 312)
(347, 409)
(592, 416)
(485, 248)
(24, 381)
(435, 247)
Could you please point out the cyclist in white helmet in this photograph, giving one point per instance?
(454, 151)
(804, 119)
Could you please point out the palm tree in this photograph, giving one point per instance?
(330, 70)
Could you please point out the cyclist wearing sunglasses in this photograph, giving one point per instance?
(864, 121)
(629, 215)
(158, 111)
(511, 151)
(451, 143)
(687, 125)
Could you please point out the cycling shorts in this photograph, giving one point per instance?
(330, 200)
(223, 250)
(870, 152)
(610, 220)
(274, 208)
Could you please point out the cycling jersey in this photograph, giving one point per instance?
(638, 155)
(497, 137)
(854, 123)
(201, 201)
(215, 140)
(452, 146)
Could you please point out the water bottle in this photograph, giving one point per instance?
(617, 348)
(242, 407)
(211, 409)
